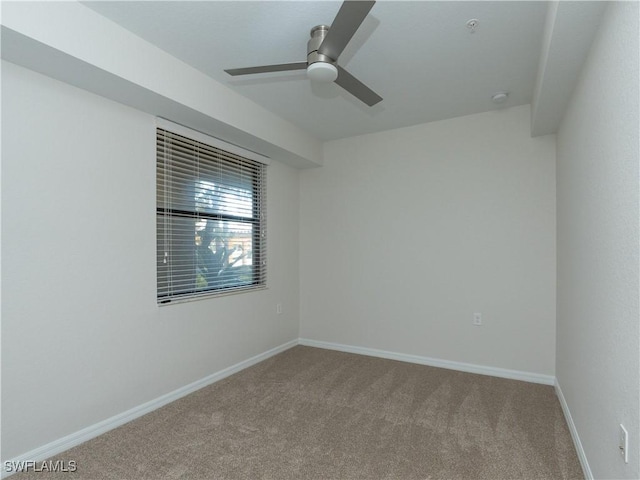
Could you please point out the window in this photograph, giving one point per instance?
(211, 216)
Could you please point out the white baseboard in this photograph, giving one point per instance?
(588, 475)
(434, 362)
(74, 439)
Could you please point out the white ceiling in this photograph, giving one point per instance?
(418, 55)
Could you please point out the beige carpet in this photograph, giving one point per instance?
(309, 413)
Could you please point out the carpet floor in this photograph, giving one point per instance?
(309, 413)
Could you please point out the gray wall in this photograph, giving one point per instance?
(598, 337)
(82, 337)
(406, 233)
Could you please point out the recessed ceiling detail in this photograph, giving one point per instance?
(413, 53)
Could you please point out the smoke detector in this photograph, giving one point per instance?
(499, 97)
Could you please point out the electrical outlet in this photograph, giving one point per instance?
(477, 318)
(624, 444)
(278, 308)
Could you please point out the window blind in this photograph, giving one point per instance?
(210, 217)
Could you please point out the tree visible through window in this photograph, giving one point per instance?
(210, 219)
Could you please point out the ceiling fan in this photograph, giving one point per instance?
(324, 48)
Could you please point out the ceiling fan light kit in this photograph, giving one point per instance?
(322, 72)
(324, 48)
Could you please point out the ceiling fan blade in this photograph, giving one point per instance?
(356, 88)
(281, 67)
(344, 26)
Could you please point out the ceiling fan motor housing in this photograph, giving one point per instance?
(317, 36)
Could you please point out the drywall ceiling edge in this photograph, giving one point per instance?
(116, 64)
(569, 31)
